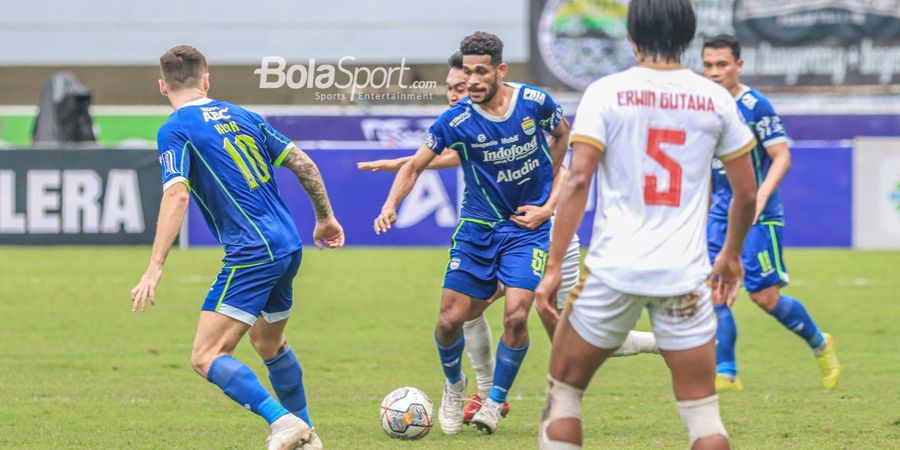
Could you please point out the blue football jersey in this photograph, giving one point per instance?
(768, 130)
(227, 155)
(506, 160)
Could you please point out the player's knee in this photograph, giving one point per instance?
(266, 348)
(516, 321)
(561, 420)
(767, 298)
(701, 418)
(200, 362)
(449, 324)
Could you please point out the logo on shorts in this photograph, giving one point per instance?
(454, 263)
(528, 126)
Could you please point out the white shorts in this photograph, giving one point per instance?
(571, 269)
(603, 316)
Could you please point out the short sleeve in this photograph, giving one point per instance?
(735, 139)
(767, 125)
(277, 146)
(590, 124)
(549, 113)
(172, 143)
(438, 135)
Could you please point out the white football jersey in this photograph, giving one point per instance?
(659, 130)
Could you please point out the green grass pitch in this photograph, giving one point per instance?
(79, 370)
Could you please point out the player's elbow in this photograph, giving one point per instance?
(178, 194)
(744, 197)
(578, 180)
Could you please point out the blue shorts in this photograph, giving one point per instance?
(246, 292)
(761, 257)
(481, 255)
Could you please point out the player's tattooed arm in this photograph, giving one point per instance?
(328, 232)
(311, 180)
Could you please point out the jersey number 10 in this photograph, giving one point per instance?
(672, 196)
(252, 159)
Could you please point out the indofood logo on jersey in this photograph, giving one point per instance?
(582, 40)
(511, 153)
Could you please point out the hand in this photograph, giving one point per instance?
(328, 233)
(530, 216)
(385, 219)
(545, 298)
(146, 288)
(387, 165)
(726, 277)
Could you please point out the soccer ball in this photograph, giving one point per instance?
(407, 414)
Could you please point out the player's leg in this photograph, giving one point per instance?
(726, 328)
(469, 281)
(765, 291)
(520, 264)
(479, 342)
(593, 325)
(685, 328)
(217, 336)
(456, 308)
(232, 306)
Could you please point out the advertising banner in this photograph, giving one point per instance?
(784, 42)
(79, 197)
(876, 193)
(429, 214)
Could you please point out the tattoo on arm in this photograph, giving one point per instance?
(311, 180)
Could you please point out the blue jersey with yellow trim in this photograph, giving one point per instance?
(227, 155)
(766, 126)
(506, 160)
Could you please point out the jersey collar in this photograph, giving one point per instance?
(197, 102)
(509, 110)
(743, 90)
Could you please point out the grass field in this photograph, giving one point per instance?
(79, 370)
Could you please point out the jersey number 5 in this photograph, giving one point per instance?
(251, 157)
(672, 196)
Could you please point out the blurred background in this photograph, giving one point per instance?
(80, 106)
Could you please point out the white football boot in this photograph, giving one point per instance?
(289, 432)
(487, 419)
(450, 415)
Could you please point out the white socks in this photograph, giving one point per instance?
(479, 343)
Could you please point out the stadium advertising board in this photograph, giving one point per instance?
(429, 214)
(785, 42)
(876, 193)
(78, 196)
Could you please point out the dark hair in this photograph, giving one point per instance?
(182, 66)
(455, 61)
(661, 27)
(481, 43)
(724, 41)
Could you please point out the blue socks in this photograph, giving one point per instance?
(451, 359)
(286, 376)
(791, 313)
(508, 362)
(241, 384)
(726, 336)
